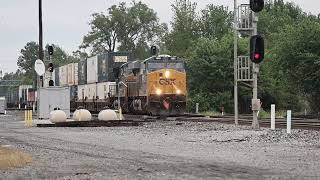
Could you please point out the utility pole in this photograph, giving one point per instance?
(255, 100)
(40, 54)
(256, 56)
(235, 60)
(40, 32)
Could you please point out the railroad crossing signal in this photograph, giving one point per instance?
(50, 50)
(257, 49)
(256, 5)
(153, 50)
(50, 67)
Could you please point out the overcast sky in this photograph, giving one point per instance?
(65, 22)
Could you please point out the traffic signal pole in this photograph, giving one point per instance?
(235, 23)
(41, 56)
(255, 101)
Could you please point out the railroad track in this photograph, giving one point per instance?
(297, 123)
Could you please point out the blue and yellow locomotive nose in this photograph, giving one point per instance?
(167, 90)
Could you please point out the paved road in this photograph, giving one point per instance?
(153, 151)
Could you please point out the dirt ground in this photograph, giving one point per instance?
(161, 150)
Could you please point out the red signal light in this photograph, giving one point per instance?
(257, 56)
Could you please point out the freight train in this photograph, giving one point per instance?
(155, 86)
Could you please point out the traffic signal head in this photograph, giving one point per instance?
(50, 50)
(153, 50)
(51, 83)
(256, 5)
(257, 49)
(50, 67)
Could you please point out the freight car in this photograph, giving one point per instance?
(156, 86)
(21, 96)
(96, 80)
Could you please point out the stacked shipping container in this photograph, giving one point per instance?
(97, 91)
(63, 75)
(82, 72)
(92, 78)
(96, 75)
(72, 74)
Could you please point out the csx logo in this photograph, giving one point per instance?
(167, 81)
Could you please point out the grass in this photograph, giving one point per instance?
(211, 113)
(10, 158)
(266, 115)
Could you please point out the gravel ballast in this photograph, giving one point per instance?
(162, 150)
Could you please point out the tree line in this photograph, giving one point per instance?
(290, 73)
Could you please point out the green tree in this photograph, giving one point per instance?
(215, 21)
(210, 72)
(131, 28)
(185, 28)
(103, 36)
(298, 56)
(29, 54)
(275, 84)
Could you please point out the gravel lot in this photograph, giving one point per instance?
(162, 150)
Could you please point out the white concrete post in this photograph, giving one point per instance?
(19, 106)
(289, 121)
(197, 108)
(273, 117)
(33, 108)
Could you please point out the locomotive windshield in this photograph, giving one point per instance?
(153, 66)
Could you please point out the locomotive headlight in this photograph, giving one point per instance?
(158, 91)
(167, 74)
(178, 91)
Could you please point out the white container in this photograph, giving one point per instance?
(92, 69)
(103, 89)
(51, 98)
(81, 92)
(76, 78)
(88, 91)
(63, 75)
(91, 90)
(72, 74)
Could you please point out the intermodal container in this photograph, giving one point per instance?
(107, 62)
(82, 72)
(81, 92)
(92, 69)
(63, 75)
(72, 74)
(91, 91)
(105, 89)
(73, 92)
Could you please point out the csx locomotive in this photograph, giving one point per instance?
(155, 86)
